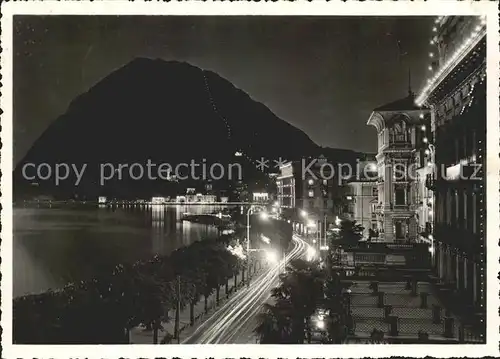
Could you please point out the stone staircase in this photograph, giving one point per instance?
(408, 314)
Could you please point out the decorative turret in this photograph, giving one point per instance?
(399, 126)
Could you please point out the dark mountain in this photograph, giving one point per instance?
(165, 112)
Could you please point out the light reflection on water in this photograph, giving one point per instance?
(52, 246)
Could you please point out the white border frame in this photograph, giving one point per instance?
(351, 8)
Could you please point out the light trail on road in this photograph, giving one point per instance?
(235, 321)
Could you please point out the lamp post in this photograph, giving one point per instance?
(432, 249)
(324, 230)
(263, 216)
(349, 301)
(249, 211)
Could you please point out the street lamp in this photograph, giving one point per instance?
(303, 213)
(311, 253)
(265, 239)
(349, 301)
(249, 211)
(263, 215)
(431, 246)
(271, 256)
(432, 148)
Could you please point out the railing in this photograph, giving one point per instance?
(416, 330)
(384, 273)
(401, 207)
(384, 247)
(404, 312)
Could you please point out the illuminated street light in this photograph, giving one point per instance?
(263, 215)
(265, 239)
(271, 256)
(303, 213)
(311, 253)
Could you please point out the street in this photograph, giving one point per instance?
(235, 321)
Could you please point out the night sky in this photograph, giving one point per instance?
(323, 75)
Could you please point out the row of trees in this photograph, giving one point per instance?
(305, 289)
(104, 309)
(349, 233)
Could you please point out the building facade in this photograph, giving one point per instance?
(319, 188)
(398, 126)
(456, 96)
(311, 192)
(285, 187)
(260, 197)
(362, 197)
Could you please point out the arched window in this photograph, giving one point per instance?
(399, 130)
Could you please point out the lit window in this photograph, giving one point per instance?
(311, 193)
(325, 182)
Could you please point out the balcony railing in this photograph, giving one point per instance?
(401, 207)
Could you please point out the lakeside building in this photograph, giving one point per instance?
(362, 196)
(312, 197)
(158, 200)
(285, 186)
(260, 197)
(196, 198)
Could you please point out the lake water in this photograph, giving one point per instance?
(53, 246)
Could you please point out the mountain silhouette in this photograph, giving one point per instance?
(165, 112)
